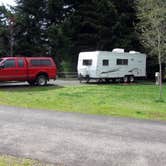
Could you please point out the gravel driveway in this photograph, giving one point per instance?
(81, 140)
(59, 82)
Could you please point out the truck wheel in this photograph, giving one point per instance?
(131, 79)
(41, 80)
(125, 79)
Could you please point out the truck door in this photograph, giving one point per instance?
(21, 69)
(7, 73)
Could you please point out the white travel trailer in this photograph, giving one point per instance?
(103, 65)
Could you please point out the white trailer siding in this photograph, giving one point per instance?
(135, 66)
(87, 69)
(111, 64)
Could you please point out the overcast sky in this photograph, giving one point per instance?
(9, 2)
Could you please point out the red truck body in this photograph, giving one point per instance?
(35, 70)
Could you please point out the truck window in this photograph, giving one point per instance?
(9, 63)
(44, 62)
(20, 63)
(40, 62)
(87, 62)
(122, 62)
(35, 62)
(105, 62)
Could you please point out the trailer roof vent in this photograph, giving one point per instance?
(133, 52)
(118, 50)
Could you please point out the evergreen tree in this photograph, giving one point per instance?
(103, 25)
(41, 29)
(30, 37)
(125, 35)
(92, 21)
(63, 28)
(7, 26)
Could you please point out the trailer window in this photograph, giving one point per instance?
(105, 62)
(87, 62)
(122, 62)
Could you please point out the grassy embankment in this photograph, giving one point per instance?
(135, 101)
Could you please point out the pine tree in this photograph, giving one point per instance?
(93, 21)
(7, 31)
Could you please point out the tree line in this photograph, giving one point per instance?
(63, 28)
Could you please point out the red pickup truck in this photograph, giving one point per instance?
(35, 70)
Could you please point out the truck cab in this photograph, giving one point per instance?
(13, 69)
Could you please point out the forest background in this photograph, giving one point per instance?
(63, 28)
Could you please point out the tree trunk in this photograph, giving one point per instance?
(11, 40)
(160, 65)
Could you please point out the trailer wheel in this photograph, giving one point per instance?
(41, 80)
(131, 79)
(125, 79)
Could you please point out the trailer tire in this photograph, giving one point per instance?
(125, 79)
(41, 80)
(131, 79)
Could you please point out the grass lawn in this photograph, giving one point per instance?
(13, 161)
(136, 101)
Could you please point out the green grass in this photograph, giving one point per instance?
(13, 161)
(136, 101)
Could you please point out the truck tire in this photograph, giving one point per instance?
(131, 79)
(41, 80)
(125, 79)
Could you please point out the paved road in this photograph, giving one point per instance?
(81, 140)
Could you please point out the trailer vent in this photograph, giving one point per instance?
(133, 52)
(118, 50)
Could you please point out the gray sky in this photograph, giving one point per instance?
(9, 2)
